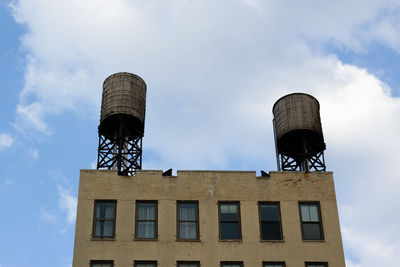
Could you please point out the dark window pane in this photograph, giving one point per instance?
(145, 265)
(187, 230)
(188, 265)
(146, 230)
(229, 217)
(102, 264)
(314, 213)
(229, 220)
(146, 221)
(108, 228)
(269, 212)
(105, 210)
(309, 213)
(271, 231)
(311, 222)
(230, 230)
(228, 208)
(104, 228)
(229, 212)
(98, 229)
(147, 211)
(104, 219)
(311, 231)
(187, 211)
(188, 221)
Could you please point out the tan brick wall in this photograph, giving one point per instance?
(208, 187)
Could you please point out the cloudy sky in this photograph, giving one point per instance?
(213, 69)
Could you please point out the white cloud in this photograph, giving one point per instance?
(68, 59)
(387, 28)
(6, 140)
(68, 204)
(65, 215)
(370, 249)
(213, 72)
(48, 217)
(31, 116)
(33, 154)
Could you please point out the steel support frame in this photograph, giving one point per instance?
(315, 162)
(122, 153)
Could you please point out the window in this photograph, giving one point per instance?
(273, 264)
(270, 221)
(104, 219)
(146, 219)
(231, 264)
(188, 264)
(188, 220)
(311, 225)
(145, 264)
(316, 264)
(229, 220)
(101, 263)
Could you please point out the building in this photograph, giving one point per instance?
(208, 218)
(267, 219)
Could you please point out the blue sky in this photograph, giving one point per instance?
(213, 71)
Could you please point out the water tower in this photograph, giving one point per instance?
(121, 126)
(298, 133)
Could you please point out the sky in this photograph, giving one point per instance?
(214, 69)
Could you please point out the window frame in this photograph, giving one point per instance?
(114, 219)
(135, 263)
(111, 262)
(138, 202)
(321, 229)
(197, 221)
(277, 203)
(221, 264)
(274, 263)
(307, 263)
(237, 203)
(178, 263)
